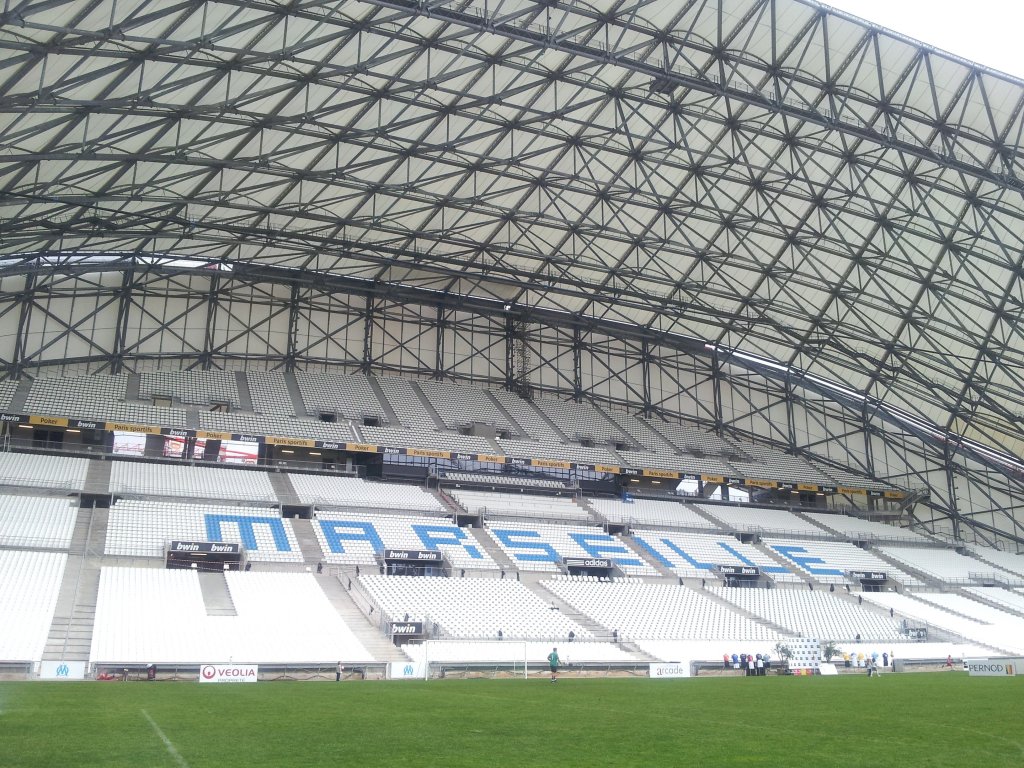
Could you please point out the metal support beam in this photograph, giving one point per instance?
(645, 367)
(577, 364)
(209, 336)
(124, 305)
(367, 362)
(292, 344)
(26, 298)
(440, 326)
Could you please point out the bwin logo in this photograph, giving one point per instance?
(407, 670)
(63, 671)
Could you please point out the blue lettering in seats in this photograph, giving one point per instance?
(335, 533)
(745, 561)
(605, 545)
(506, 537)
(692, 561)
(653, 552)
(434, 536)
(805, 562)
(245, 524)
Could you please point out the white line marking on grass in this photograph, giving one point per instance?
(167, 742)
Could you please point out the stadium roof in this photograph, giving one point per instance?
(761, 175)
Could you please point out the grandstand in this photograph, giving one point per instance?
(459, 286)
(358, 539)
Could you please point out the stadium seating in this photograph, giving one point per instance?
(1008, 561)
(7, 390)
(459, 405)
(558, 451)
(144, 479)
(527, 417)
(239, 423)
(666, 445)
(541, 547)
(906, 605)
(132, 413)
(464, 608)
(269, 393)
(52, 472)
(142, 528)
(696, 555)
(640, 432)
(75, 395)
(419, 437)
(497, 479)
(708, 465)
(667, 514)
(1008, 599)
(405, 402)
(505, 505)
(949, 566)
(355, 538)
(29, 586)
(830, 561)
(152, 615)
(859, 529)
(349, 395)
(763, 520)
(191, 387)
(972, 609)
(327, 491)
(691, 439)
(656, 611)
(812, 614)
(770, 463)
(579, 421)
(850, 479)
(40, 522)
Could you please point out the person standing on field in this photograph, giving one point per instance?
(553, 662)
(338, 672)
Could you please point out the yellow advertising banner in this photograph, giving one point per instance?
(713, 479)
(550, 463)
(491, 458)
(806, 487)
(609, 468)
(665, 473)
(213, 435)
(361, 447)
(428, 454)
(894, 494)
(118, 426)
(761, 483)
(852, 491)
(293, 442)
(47, 421)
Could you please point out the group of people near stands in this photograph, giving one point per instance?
(752, 664)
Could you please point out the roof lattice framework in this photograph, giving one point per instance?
(765, 175)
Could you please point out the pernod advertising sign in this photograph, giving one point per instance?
(993, 667)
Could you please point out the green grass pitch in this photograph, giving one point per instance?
(926, 719)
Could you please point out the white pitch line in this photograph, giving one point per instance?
(167, 742)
